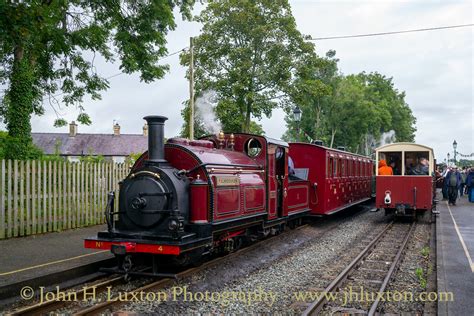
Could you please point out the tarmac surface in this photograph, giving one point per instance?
(31, 257)
(455, 256)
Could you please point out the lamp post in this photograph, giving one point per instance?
(297, 118)
(455, 145)
(448, 159)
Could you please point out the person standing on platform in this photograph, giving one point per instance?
(463, 182)
(470, 184)
(454, 182)
(444, 188)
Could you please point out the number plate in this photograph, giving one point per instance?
(227, 181)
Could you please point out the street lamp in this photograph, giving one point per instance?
(297, 118)
(455, 145)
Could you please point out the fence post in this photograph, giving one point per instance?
(55, 196)
(50, 208)
(65, 205)
(73, 191)
(28, 197)
(45, 190)
(60, 196)
(21, 210)
(69, 196)
(15, 198)
(39, 205)
(9, 199)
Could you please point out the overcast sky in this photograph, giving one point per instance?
(435, 69)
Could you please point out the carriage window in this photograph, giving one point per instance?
(417, 163)
(392, 159)
(343, 168)
(330, 168)
(334, 168)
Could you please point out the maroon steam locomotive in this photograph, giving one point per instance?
(188, 198)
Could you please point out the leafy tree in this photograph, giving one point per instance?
(50, 46)
(398, 115)
(246, 53)
(3, 139)
(352, 110)
(316, 79)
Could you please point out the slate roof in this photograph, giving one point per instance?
(86, 144)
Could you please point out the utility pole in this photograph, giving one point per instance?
(191, 89)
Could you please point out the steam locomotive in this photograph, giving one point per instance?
(187, 198)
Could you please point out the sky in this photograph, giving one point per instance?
(435, 69)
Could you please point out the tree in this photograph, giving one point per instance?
(382, 92)
(352, 110)
(50, 46)
(315, 81)
(246, 53)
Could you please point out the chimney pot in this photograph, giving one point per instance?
(116, 129)
(156, 138)
(72, 129)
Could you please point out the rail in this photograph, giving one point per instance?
(316, 307)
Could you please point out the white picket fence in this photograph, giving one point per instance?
(47, 196)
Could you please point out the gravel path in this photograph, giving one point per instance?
(262, 283)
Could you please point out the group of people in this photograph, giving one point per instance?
(457, 181)
(421, 169)
(454, 181)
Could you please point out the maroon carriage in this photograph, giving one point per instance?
(338, 179)
(410, 190)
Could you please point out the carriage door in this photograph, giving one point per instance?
(281, 173)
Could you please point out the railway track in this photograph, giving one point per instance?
(102, 287)
(370, 272)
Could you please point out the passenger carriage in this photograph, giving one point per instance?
(404, 193)
(338, 179)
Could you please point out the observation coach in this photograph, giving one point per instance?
(411, 188)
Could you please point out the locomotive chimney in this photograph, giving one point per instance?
(156, 138)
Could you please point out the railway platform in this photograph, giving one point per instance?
(455, 256)
(48, 259)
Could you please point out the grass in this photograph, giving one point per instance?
(425, 252)
(421, 278)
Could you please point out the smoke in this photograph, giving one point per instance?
(205, 106)
(387, 138)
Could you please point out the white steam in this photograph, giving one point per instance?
(205, 106)
(387, 138)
